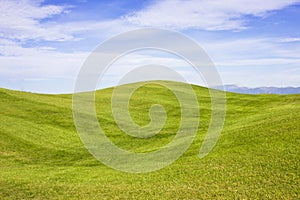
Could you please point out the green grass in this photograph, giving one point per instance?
(257, 155)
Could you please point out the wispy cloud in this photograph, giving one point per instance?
(38, 62)
(33, 39)
(204, 14)
(289, 39)
(22, 20)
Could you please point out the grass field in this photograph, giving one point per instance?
(257, 155)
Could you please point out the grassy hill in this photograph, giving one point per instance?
(257, 155)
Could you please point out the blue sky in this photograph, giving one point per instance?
(44, 43)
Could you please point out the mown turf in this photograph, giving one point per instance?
(256, 157)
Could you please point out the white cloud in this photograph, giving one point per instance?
(21, 20)
(101, 29)
(38, 62)
(128, 62)
(204, 14)
(31, 20)
(276, 76)
(267, 62)
(26, 20)
(252, 52)
(290, 39)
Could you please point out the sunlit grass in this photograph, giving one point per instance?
(256, 157)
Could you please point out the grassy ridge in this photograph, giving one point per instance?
(257, 155)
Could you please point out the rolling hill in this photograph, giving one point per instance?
(257, 155)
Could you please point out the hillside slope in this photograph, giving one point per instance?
(257, 155)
